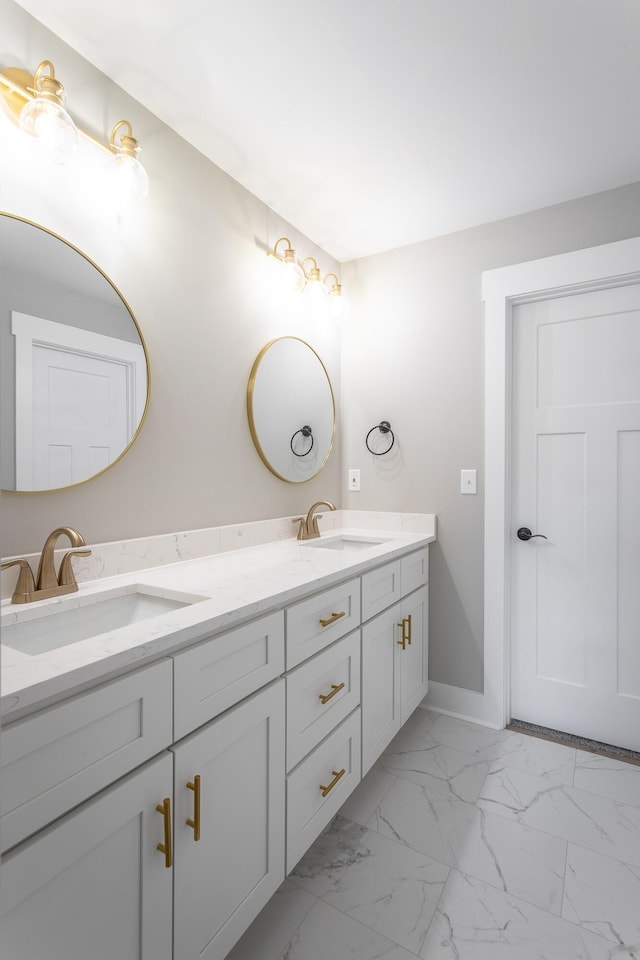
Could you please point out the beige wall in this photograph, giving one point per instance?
(413, 355)
(191, 263)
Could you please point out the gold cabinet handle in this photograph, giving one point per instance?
(195, 823)
(332, 618)
(336, 776)
(409, 630)
(165, 809)
(404, 639)
(335, 688)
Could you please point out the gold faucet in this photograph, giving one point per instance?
(308, 529)
(47, 584)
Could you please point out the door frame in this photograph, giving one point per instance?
(579, 271)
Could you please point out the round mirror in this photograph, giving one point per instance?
(291, 408)
(74, 369)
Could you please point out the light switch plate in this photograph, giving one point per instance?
(468, 481)
(353, 482)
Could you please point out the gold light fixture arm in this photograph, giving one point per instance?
(314, 272)
(336, 286)
(289, 255)
(128, 144)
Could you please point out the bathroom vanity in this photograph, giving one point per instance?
(161, 778)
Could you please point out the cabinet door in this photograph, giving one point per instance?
(414, 658)
(224, 878)
(94, 885)
(380, 684)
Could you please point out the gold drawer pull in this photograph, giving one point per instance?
(195, 823)
(165, 809)
(335, 688)
(336, 776)
(333, 618)
(406, 638)
(409, 630)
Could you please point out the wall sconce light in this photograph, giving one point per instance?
(45, 118)
(131, 176)
(339, 303)
(36, 104)
(293, 274)
(315, 289)
(309, 280)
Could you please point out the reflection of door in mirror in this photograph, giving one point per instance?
(79, 397)
(72, 357)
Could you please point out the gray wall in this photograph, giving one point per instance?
(191, 262)
(413, 354)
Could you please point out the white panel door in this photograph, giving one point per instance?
(80, 416)
(575, 611)
(79, 400)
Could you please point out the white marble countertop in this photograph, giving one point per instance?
(229, 588)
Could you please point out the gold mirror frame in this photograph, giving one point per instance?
(67, 243)
(260, 442)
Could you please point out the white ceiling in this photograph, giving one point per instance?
(370, 124)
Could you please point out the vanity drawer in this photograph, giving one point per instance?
(320, 694)
(333, 769)
(380, 588)
(215, 675)
(414, 570)
(315, 623)
(63, 755)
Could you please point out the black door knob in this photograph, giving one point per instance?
(525, 534)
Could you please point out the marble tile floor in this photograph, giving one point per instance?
(464, 843)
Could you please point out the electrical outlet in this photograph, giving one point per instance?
(354, 481)
(468, 481)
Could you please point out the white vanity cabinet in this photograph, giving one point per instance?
(154, 815)
(394, 651)
(94, 885)
(122, 876)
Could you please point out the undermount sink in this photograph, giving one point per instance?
(79, 618)
(347, 543)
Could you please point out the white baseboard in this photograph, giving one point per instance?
(460, 703)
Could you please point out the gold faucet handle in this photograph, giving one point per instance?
(25, 586)
(301, 529)
(66, 576)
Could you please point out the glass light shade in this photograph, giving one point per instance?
(315, 290)
(293, 277)
(47, 122)
(130, 177)
(339, 306)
